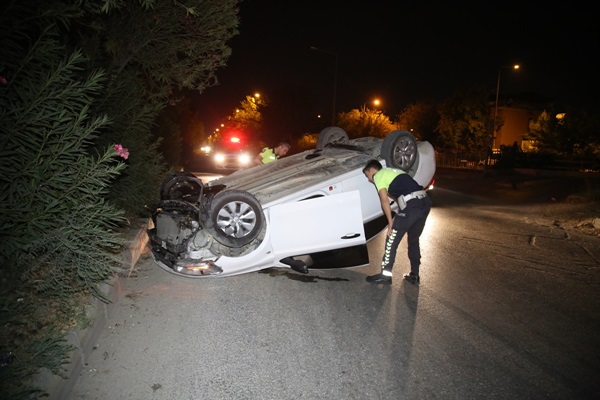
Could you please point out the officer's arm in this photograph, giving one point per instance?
(258, 160)
(385, 205)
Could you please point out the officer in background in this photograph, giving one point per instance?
(269, 154)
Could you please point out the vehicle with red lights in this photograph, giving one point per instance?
(311, 210)
(233, 152)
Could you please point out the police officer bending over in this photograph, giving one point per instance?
(414, 206)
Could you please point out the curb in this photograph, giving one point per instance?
(84, 340)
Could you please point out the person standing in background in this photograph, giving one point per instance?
(269, 154)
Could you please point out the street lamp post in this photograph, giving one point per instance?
(492, 138)
(334, 78)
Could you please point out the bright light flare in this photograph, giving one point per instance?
(244, 159)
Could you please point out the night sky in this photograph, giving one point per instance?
(402, 52)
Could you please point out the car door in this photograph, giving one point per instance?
(317, 224)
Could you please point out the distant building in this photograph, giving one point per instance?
(515, 113)
(514, 126)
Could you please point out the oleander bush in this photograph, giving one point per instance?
(58, 231)
(81, 86)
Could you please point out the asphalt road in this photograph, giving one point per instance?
(508, 308)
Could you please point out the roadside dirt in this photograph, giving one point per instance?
(571, 201)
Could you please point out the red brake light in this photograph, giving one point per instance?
(430, 186)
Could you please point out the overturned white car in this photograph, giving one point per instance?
(310, 210)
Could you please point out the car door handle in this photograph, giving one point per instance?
(351, 236)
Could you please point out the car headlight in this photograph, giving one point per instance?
(244, 159)
(219, 157)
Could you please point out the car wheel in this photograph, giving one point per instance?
(332, 135)
(236, 218)
(399, 150)
(181, 186)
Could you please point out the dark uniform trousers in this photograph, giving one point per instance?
(411, 222)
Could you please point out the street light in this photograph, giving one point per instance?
(334, 77)
(376, 104)
(493, 137)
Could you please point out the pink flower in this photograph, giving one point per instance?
(122, 152)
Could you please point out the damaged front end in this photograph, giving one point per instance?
(179, 242)
(178, 239)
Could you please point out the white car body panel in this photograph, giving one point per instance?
(426, 164)
(316, 225)
(296, 229)
(262, 257)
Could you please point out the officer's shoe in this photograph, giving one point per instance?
(379, 278)
(412, 278)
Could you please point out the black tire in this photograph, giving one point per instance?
(399, 150)
(333, 135)
(236, 218)
(181, 186)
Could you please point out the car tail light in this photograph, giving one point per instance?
(430, 186)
